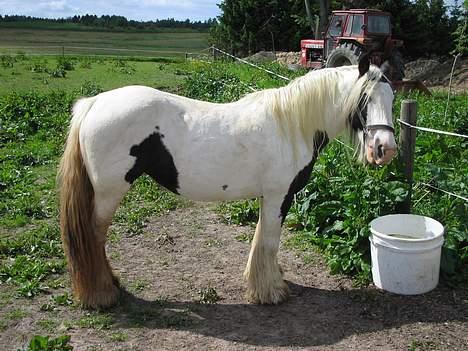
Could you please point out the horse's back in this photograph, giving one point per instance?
(216, 151)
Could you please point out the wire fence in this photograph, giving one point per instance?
(63, 50)
(440, 132)
(430, 130)
(250, 64)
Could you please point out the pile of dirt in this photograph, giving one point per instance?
(288, 58)
(262, 56)
(283, 57)
(436, 72)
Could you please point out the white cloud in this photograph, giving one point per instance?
(167, 3)
(56, 5)
(132, 9)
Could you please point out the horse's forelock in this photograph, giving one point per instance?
(356, 108)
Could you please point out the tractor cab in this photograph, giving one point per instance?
(351, 33)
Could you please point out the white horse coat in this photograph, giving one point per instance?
(263, 145)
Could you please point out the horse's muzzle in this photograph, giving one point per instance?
(380, 155)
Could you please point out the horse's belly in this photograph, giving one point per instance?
(221, 166)
(219, 185)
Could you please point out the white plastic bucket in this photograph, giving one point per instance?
(405, 253)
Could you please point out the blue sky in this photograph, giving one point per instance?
(132, 9)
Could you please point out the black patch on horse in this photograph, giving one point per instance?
(301, 179)
(154, 159)
(225, 187)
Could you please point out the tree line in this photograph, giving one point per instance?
(428, 27)
(116, 22)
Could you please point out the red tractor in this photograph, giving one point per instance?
(351, 33)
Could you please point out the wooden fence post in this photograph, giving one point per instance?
(407, 143)
(213, 50)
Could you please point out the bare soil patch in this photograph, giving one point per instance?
(188, 257)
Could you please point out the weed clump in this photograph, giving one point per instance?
(208, 296)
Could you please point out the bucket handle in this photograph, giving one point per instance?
(392, 248)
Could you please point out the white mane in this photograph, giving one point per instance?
(304, 105)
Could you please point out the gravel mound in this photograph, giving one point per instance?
(436, 72)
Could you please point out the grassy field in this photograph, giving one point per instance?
(19, 73)
(79, 42)
(36, 95)
(88, 28)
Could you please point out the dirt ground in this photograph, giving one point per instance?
(189, 255)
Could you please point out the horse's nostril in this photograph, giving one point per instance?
(380, 151)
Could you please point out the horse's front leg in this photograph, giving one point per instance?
(263, 273)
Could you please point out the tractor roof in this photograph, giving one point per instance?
(362, 11)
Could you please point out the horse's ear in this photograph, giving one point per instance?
(364, 64)
(386, 68)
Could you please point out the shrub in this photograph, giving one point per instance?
(65, 64)
(7, 61)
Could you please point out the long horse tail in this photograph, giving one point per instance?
(83, 249)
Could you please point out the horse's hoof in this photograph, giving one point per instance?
(100, 299)
(272, 296)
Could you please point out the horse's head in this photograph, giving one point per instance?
(373, 116)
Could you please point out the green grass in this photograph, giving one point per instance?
(96, 320)
(118, 336)
(15, 315)
(33, 123)
(37, 74)
(79, 42)
(48, 325)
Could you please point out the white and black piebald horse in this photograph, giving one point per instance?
(263, 146)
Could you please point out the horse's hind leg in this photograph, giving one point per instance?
(263, 273)
(105, 289)
(93, 283)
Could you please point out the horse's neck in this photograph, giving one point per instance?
(335, 118)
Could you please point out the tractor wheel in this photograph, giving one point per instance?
(398, 67)
(344, 55)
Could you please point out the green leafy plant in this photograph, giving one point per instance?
(45, 343)
(7, 61)
(31, 258)
(122, 66)
(334, 209)
(239, 212)
(90, 88)
(65, 63)
(58, 73)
